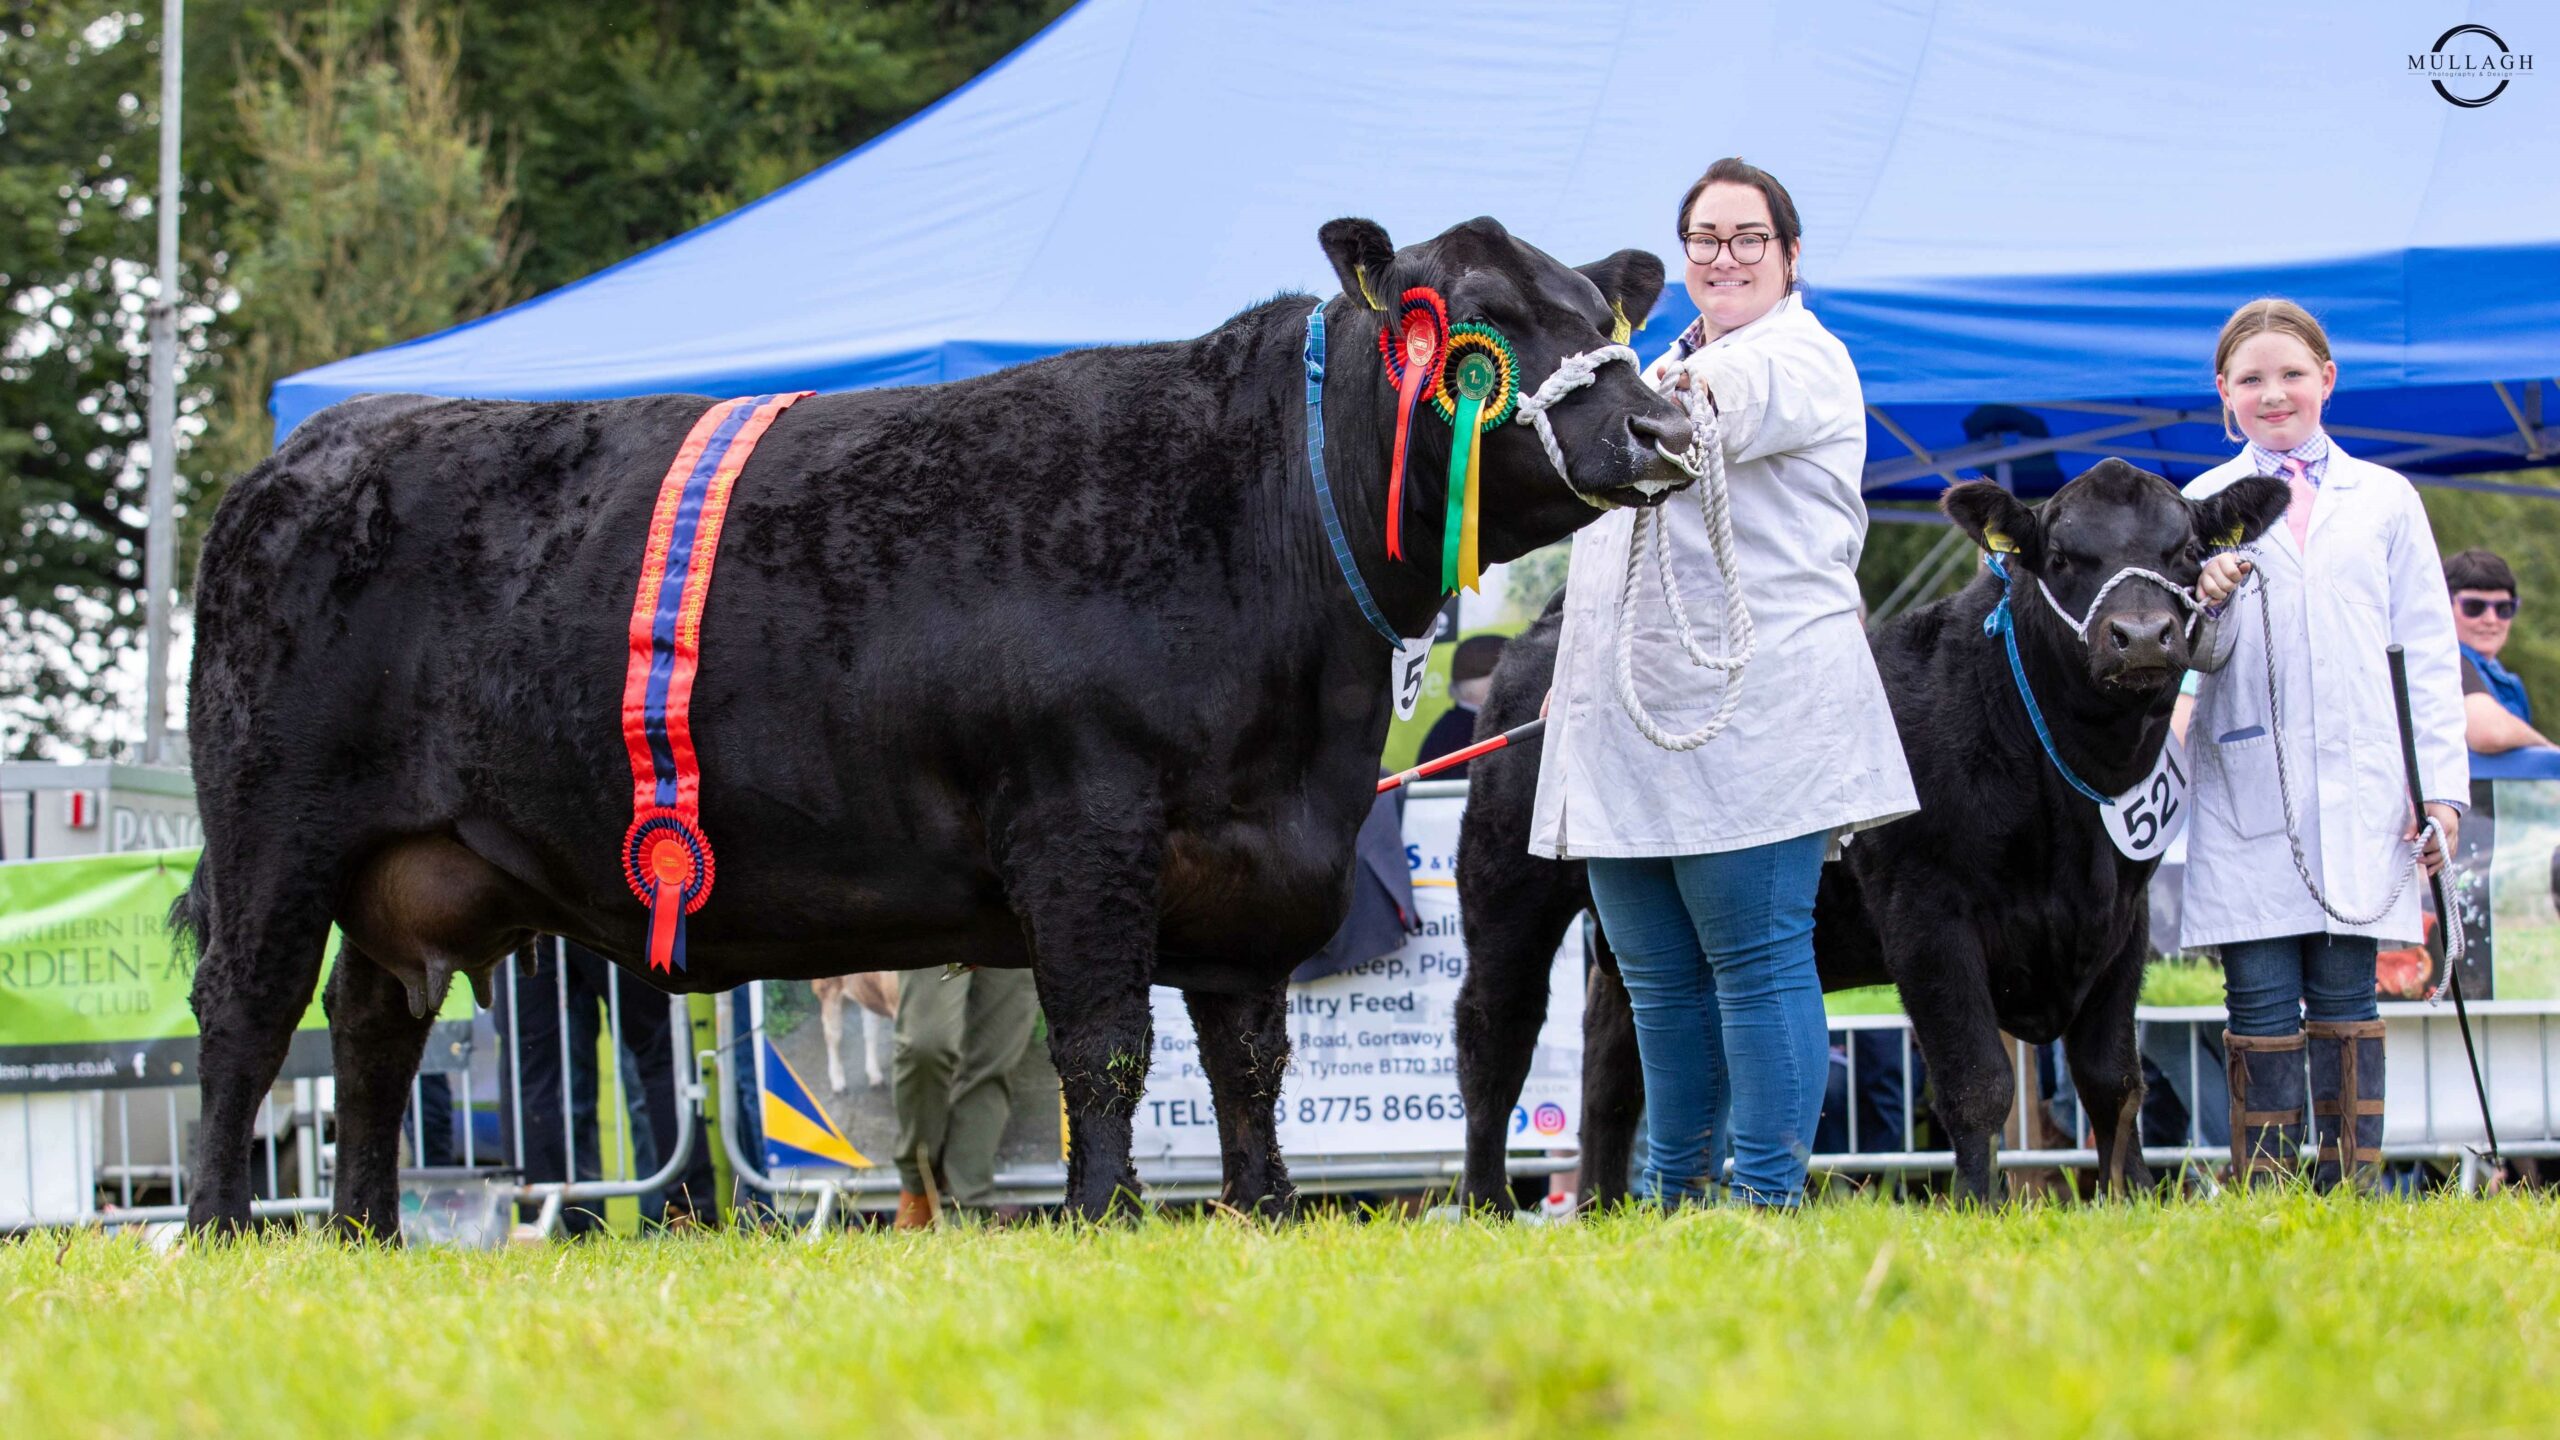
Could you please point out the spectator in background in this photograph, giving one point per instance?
(960, 1033)
(2497, 713)
(574, 984)
(1470, 678)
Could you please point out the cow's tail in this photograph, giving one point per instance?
(191, 914)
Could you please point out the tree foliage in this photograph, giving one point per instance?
(356, 175)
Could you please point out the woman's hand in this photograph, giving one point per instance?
(2221, 578)
(1547, 700)
(2449, 826)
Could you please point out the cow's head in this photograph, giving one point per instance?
(2114, 517)
(1613, 431)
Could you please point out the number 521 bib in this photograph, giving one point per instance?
(2147, 817)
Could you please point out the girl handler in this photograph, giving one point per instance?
(1704, 859)
(2299, 776)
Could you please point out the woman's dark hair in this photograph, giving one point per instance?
(1734, 170)
(2480, 570)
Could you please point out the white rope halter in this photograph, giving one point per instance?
(2080, 624)
(1574, 372)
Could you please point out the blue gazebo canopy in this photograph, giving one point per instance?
(2016, 205)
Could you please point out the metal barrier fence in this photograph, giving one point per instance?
(295, 1175)
(2433, 1118)
(2448, 1125)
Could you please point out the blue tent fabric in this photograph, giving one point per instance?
(2012, 203)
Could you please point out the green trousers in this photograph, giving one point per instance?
(959, 1037)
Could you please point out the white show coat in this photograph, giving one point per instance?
(2372, 577)
(1812, 746)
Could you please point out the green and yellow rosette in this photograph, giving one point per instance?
(1479, 388)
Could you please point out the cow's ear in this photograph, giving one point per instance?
(1630, 281)
(1360, 252)
(1996, 519)
(2240, 511)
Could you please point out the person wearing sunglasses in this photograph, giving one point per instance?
(2497, 713)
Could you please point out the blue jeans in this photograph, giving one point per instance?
(2270, 985)
(1717, 953)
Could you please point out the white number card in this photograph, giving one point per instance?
(2147, 817)
(1412, 666)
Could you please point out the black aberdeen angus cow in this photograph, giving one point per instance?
(1053, 667)
(2002, 905)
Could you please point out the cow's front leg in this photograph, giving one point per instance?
(2106, 1068)
(1945, 989)
(1612, 1086)
(1080, 871)
(375, 1043)
(1244, 1045)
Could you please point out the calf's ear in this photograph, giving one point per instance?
(1360, 252)
(1996, 519)
(2240, 511)
(1630, 281)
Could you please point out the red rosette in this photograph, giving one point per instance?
(664, 848)
(1423, 307)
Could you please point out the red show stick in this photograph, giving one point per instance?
(1517, 733)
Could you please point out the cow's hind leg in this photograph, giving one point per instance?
(1502, 1002)
(1080, 871)
(375, 1042)
(1244, 1045)
(1612, 1087)
(261, 927)
(2106, 1068)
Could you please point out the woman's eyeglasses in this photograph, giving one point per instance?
(1747, 247)
(2473, 607)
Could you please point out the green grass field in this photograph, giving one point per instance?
(2256, 1316)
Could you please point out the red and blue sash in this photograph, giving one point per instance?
(665, 856)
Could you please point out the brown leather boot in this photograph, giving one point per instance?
(2346, 1102)
(915, 1212)
(2266, 1107)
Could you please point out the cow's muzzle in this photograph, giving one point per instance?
(2138, 649)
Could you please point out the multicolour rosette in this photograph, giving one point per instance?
(1414, 347)
(1479, 388)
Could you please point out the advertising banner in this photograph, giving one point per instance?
(93, 987)
(1373, 1061)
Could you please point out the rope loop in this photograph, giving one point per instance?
(1705, 460)
(2293, 821)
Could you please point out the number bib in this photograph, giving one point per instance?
(1411, 666)
(2147, 817)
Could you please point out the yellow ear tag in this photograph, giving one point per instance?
(1620, 332)
(2230, 538)
(1361, 274)
(1999, 542)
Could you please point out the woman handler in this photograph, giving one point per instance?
(1704, 860)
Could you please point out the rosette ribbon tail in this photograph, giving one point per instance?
(666, 930)
(1458, 553)
(1409, 397)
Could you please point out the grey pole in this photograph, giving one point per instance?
(160, 543)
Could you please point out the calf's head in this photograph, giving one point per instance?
(1614, 432)
(2111, 519)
